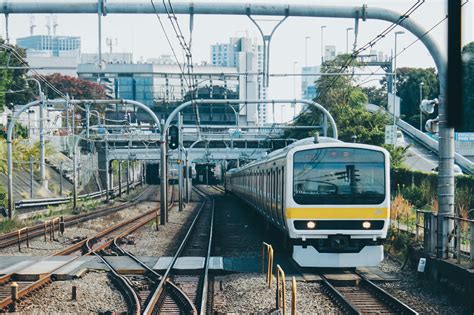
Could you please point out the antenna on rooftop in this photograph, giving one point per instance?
(32, 24)
(55, 24)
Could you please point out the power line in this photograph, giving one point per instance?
(169, 41)
(411, 44)
(189, 59)
(368, 45)
(37, 74)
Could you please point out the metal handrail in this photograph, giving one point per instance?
(269, 251)
(26, 203)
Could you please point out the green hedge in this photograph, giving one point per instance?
(421, 188)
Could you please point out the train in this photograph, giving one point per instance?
(330, 199)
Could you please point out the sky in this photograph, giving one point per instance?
(142, 35)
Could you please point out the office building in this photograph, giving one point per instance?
(247, 56)
(49, 54)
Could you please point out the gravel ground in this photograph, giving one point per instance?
(165, 241)
(95, 294)
(39, 247)
(424, 297)
(248, 293)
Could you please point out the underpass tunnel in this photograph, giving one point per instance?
(152, 173)
(205, 174)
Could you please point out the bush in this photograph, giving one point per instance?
(420, 188)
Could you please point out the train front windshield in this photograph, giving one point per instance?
(339, 176)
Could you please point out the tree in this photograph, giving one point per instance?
(376, 95)
(345, 101)
(76, 88)
(468, 58)
(408, 89)
(14, 89)
(357, 121)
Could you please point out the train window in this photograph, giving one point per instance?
(341, 175)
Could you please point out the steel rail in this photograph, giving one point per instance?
(157, 294)
(127, 291)
(383, 295)
(147, 217)
(376, 293)
(11, 238)
(339, 298)
(205, 284)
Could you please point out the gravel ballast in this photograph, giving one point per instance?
(425, 297)
(95, 294)
(165, 241)
(249, 293)
(39, 247)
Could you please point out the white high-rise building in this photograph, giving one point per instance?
(329, 52)
(247, 56)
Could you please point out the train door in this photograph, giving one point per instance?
(282, 204)
(267, 196)
(278, 195)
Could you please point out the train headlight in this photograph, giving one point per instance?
(366, 225)
(311, 225)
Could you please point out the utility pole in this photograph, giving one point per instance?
(395, 81)
(421, 112)
(107, 182)
(133, 171)
(31, 177)
(61, 178)
(180, 161)
(41, 127)
(74, 158)
(306, 52)
(188, 176)
(163, 183)
(347, 38)
(322, 43)
(128, 175)
(120, 178)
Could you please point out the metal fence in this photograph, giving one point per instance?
(459, 241)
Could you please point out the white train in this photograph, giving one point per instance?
(330, 198)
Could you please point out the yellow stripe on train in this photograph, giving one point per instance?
(336, 213)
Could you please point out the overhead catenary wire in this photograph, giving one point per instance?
(369, 44)
(411, 44)
(38, 75)
(189, 82)
(189, 58)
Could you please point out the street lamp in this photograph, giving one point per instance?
(294, 78)
(306, 52)
(294, 86)
(421, 113)
(322, 43)
(347, 38)
(395, 78)
(41, 129)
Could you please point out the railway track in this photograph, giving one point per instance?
(218, 188)
(364, 297)
(91, 245)
(187, 293)
(44, 229)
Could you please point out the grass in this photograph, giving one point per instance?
(53, 211)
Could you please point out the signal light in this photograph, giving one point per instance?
(366, 225)
(173, 133)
